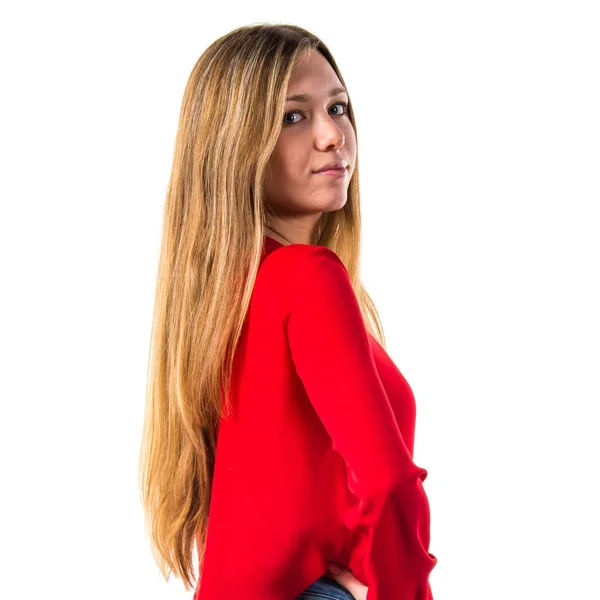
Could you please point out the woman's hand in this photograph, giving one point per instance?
(347, 579)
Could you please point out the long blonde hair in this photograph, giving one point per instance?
(213, 226)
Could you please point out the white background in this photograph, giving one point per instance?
(479, 143)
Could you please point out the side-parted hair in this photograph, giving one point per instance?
(212, 238)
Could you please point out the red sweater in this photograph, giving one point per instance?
(315, 464)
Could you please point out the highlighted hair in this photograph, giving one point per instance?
(213, 226)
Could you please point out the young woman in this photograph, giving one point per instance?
(278, 433)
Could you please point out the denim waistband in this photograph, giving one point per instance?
(327, 588)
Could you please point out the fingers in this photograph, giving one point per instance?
(345, 578)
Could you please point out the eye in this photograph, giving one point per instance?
(344, 104)
(295, 112)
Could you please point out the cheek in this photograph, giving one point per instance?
(350, 136)
(288, 162)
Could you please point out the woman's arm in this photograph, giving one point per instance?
(330, 348)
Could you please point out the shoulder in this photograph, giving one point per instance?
(308, 277)
(304, 261)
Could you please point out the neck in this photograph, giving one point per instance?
(278, 236)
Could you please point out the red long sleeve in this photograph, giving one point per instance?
(330, 349)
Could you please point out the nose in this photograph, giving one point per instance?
(328, 134)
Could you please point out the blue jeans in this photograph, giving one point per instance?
(327, 588)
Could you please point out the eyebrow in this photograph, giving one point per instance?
(306, 97)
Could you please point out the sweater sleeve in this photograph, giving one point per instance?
(330, 349)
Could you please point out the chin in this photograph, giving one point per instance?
(335, 203)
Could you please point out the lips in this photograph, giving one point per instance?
(332, 166)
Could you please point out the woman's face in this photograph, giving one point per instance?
(316, 131)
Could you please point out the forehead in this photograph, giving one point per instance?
(313, 74)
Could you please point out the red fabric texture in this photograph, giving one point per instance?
(316, 463)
